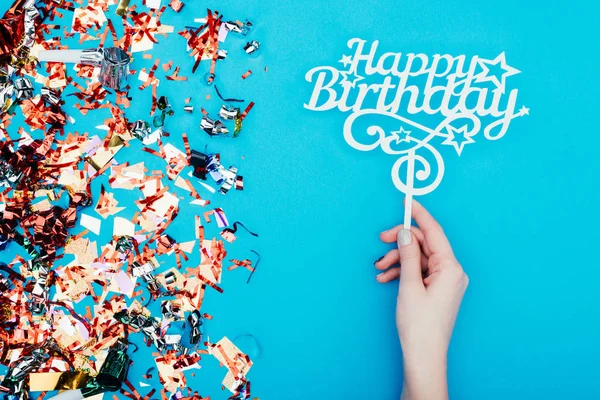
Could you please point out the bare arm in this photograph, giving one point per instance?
(432, 285)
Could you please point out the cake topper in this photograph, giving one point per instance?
(418, 104)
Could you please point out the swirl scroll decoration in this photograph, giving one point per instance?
(424, 163)
(418, 150)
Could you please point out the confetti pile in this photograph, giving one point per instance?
(142, 283)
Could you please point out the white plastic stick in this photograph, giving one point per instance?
(410, 180)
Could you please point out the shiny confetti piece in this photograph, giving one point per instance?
(91, 223)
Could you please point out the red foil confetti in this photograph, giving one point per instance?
(95, 275)
(86, 265)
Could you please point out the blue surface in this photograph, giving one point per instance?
(520, 212)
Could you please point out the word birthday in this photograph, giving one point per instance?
(466, 96)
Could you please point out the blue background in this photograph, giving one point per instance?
(520, 212)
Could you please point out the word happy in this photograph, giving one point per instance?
(467, 96)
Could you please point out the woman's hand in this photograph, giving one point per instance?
(432, 285)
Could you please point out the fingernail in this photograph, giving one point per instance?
(378, 275)
(379, 259)
(404, 237)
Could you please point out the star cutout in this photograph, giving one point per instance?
(458, 138)
(401, 135)
(524, 111)
(353, 82)
(485, 75)
(346, 60)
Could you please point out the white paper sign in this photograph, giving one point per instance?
(418, 104)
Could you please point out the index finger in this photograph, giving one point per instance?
(434, 234)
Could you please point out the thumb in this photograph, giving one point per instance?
(410, 258)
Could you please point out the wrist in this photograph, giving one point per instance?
(425, 379)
